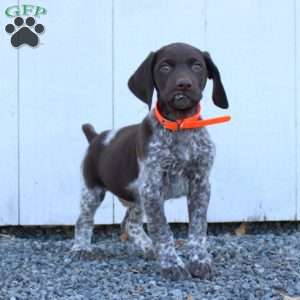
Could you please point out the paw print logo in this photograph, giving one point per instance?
(24, 33)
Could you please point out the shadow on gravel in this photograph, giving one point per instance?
(179, 229)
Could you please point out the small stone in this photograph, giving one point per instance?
(176, 293)
(152, 282)
(67, 260)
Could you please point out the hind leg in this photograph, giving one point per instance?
(132, 225)
(90, 201)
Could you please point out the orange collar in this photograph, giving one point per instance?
(188, 123)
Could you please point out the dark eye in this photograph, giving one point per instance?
(165, 68)
(196, 67)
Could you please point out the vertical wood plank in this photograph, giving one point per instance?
(65, 82)
(254, 175)
(8, 124)
(141, 27)
(297, 98)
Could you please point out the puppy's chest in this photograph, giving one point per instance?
(175, 151)
(179, 155)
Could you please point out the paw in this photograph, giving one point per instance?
(201, 269)
(85, 253)
(175, 272)
(149, 254)
(27, 34)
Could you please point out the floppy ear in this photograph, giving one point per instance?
(141, 82)
(218, 95)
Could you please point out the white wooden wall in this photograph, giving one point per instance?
(79, 73)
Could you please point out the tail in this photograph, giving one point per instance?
(89, 132)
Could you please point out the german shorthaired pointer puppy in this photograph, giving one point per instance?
(148, 163)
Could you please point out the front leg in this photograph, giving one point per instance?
(151, 193)
(198, 198)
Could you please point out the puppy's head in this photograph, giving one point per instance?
(179, 73)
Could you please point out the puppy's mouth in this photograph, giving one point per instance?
(182, 101)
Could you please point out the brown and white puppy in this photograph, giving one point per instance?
(146, 164)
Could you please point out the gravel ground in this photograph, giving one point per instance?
(35, 263)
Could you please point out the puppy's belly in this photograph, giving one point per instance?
(177, 186)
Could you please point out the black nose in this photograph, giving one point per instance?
(183, 84)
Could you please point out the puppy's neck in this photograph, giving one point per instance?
(173, 115)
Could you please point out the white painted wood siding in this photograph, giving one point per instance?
(255, 172)
(79, 74)
(8, 128)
